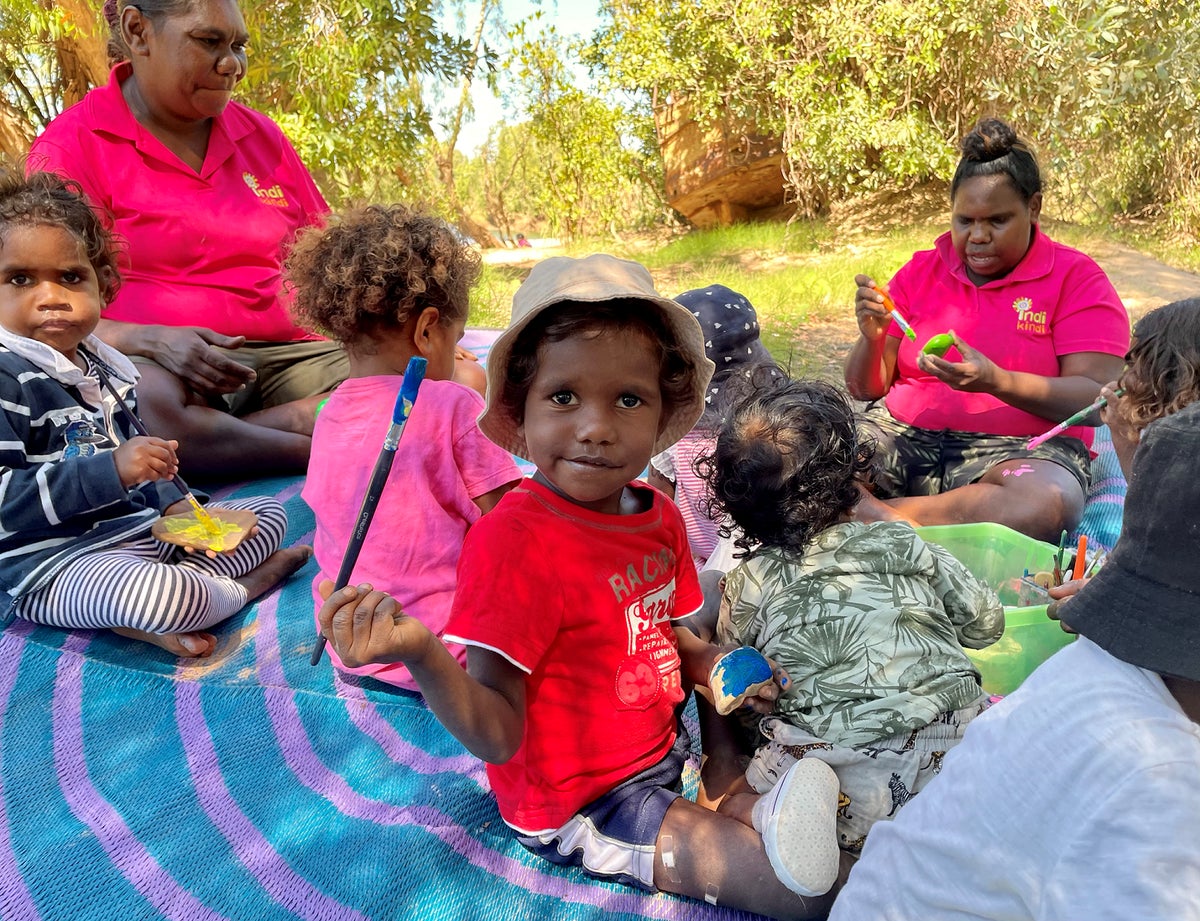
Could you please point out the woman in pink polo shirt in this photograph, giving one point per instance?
(1037, 329)
(206, 194)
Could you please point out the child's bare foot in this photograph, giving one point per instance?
(273, 570)
(186, 645)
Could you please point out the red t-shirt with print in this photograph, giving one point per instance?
(582, 602)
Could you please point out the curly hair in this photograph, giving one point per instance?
(369, 270)
(992, 148)
(1162, 369)
(591, 320)
(45, 199)
(786, 466)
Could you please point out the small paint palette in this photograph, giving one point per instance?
(187, 530)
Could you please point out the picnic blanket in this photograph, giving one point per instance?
(252, 785)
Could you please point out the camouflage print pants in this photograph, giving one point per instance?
(911, 461)
(875, 780)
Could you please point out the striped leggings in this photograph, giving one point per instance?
(156, 587)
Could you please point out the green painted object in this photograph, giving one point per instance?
(938, 345)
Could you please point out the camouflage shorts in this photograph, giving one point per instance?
(911, 461)
(875, 780)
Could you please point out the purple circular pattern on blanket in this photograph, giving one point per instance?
(252, 785)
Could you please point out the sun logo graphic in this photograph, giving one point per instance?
(1028, 319)
(273, 196)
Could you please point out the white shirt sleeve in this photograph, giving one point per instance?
(664, 463)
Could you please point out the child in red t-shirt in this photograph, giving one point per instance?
(569, 597)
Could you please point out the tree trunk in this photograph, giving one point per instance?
(16, 134)
(82, 57)
(444, 154)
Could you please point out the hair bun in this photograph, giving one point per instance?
(989, 140)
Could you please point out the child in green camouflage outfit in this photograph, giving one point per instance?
(868, 620)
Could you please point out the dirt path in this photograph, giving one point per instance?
(1143, 282)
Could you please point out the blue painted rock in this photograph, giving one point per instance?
(737, 675)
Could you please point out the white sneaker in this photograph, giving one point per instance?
(797, 819)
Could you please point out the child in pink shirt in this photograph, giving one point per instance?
(389, 284)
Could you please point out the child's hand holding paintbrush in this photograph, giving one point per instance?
(146, 458)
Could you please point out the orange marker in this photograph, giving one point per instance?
(1080, 558)
(890, 306)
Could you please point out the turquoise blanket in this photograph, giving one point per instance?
(254, 786)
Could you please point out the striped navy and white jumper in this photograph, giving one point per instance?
(75, 544)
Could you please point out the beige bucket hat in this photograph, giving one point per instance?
(592, 279)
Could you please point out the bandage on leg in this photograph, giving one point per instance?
(797, 819)
(668, 858)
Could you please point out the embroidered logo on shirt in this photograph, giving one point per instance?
(1028, 320)
(652, 666)
(638, 683)
(273, 196)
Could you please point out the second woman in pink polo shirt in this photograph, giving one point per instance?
(1037, 329)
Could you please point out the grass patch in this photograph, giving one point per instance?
(799, 276)
(491, 298)
(792, 273)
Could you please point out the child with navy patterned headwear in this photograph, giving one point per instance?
(731, 342)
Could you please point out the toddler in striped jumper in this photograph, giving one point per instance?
(79, 487)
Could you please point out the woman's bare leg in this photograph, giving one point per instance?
(1036, 497)
(215, 444)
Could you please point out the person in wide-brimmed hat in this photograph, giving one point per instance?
(1079, 795)
(569, 597)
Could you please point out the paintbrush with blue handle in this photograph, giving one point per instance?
(414, 373)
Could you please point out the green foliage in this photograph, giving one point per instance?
(504, 179)
(864, 93)
(344, 77)
(586, 177)
(28, 30)
(1112, 89)
(873, 93)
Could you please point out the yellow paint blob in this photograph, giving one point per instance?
(201, 533)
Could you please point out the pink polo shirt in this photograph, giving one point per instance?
(442, 465)
(1056, 302)
(203, 249)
